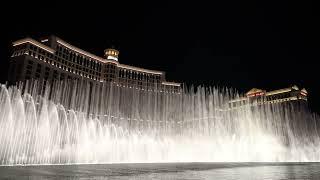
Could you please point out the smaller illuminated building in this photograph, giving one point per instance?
(260, 97)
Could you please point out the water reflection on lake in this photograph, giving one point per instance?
(170, 171)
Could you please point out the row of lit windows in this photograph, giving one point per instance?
(66, 68)
(278, 100)
(36, 53)
(55, 74)
(267, 102)
(144, 84)
(75, 58)
(79, 67)
(138, 81)
(109, 68)
(138, 76)
(18, 53)
(150, 88)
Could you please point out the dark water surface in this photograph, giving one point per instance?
(167, 171)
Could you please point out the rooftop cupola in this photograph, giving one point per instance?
(111, 54)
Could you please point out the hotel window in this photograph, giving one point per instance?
(29, 67)
(62, 76)
(38, 70)
(28, 72)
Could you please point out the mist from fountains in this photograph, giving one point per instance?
(77, 122)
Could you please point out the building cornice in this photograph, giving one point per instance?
(84, 53)
(170, 83)
(33, 42)
(103, 60)
(139, 69)
(279, 91)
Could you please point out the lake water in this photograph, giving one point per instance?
(166, 171)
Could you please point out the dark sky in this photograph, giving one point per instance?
(259, 44)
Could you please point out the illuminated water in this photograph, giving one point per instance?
(112, 124)
(181, 171)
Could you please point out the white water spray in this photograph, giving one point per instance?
(74, 122)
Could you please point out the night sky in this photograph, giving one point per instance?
(242, 45)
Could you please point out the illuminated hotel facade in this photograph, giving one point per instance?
(262, 97)
(53, 59)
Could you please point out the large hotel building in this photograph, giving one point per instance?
(54, 59)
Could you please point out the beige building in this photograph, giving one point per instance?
(259, 96)
(54, 59)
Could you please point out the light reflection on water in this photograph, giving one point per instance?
(172, 171)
